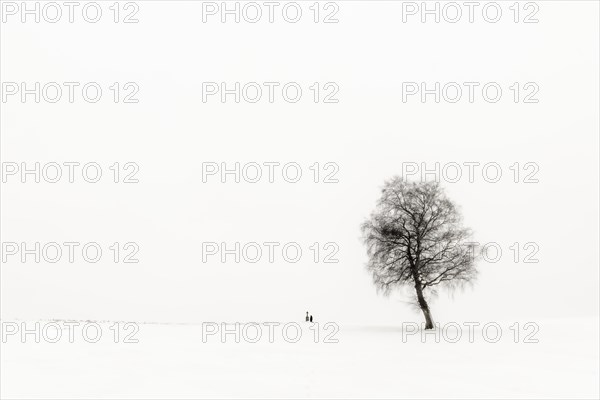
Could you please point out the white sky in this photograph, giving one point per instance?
(369, 134)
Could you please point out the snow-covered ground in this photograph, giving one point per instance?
(172, 361)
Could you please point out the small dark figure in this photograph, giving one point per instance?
(307, 316)
(311, 318)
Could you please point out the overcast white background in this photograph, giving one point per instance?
(369, 134)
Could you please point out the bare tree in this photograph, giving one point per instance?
(415, 237)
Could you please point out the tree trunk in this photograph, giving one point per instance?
(424, 306)
(428, 319)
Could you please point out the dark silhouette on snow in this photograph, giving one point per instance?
(311, 318)
(307, 316)
(415, 237)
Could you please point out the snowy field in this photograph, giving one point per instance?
(171, 361)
